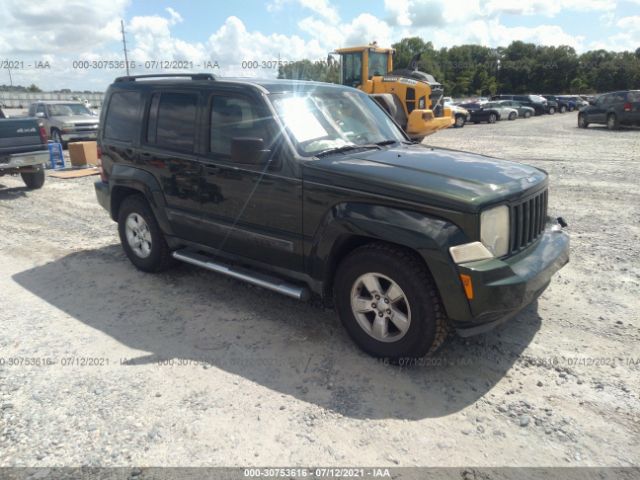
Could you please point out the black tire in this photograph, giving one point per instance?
(33, 180)
(563, 109)
(552, 110)
(582, 121)
(513, 116)
(159, 257)
(493, 118)
(527, 114)
(460, 121)
(427, 327)
(612, 121)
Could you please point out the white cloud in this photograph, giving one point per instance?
(232, 44)
(175, 16)
(48, 27)
(322, 8)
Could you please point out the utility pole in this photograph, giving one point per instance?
(124, 46)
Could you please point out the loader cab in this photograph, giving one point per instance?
(358, 65)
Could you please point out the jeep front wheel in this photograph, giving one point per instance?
(141, 237)
(387, 301)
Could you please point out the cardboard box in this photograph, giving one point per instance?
(83, 153)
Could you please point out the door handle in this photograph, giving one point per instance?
(211, 169)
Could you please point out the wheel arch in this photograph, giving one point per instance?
(350, 226)
(125, 181)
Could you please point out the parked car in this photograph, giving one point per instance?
(523, 111)
(478, 113)
(538, 103)
(23, 150)
(561, 105)
(505, 112)
(613, 109)
(461, 115)
(303, 187)
(578, 100)
(66, 121)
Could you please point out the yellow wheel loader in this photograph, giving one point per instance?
(413, 98)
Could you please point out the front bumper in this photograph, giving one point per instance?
(23, 160)
(78, 136)
(503, 287)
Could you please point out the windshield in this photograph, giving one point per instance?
(67, 109)
(323, 120)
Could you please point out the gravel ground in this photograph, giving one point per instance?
(103, 365)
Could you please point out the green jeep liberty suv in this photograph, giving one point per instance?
(310, 188)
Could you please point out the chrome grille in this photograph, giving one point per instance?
(527, 221)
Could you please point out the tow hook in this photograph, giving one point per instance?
(559, 226)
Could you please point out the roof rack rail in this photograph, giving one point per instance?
(193, 76)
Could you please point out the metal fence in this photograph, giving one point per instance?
(24, 99)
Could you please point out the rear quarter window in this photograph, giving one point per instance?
(122, 118)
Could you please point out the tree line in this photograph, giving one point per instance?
(519, 68)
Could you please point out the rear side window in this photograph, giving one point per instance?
(122, 116)
(233, 117)
(172, 121)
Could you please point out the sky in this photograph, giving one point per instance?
(69, 43)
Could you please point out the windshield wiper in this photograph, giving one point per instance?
(346, 148)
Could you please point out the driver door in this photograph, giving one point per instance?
(253, 211)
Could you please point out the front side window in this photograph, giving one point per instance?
(234, 117)
(122, 116)
(377, 64)
(352, 69)
(323, 120)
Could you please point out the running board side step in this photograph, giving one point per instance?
(255, 278)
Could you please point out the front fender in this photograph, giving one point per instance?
(126, 177)
(429, 236)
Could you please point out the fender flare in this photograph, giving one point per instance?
(125, 177)
(427, 235)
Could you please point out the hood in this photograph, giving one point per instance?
(444, 178)
(77, 119)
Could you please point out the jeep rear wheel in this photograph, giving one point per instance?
(141, 237)
(388, 303)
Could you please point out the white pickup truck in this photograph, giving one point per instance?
(23, 149)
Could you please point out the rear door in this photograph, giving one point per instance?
(254, 211)
(169, 151)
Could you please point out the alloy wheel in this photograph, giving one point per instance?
(380, 307)
(138, 235)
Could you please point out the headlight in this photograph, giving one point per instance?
(494, 230)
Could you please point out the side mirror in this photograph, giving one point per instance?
(248, 150)
(592, 102)
(39, 115)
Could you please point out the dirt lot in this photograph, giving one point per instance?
(103, 365)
